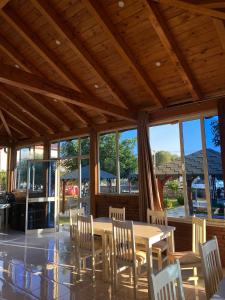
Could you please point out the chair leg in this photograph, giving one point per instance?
(159, 254)
(135, 281)
(93, 268)
(195, 273)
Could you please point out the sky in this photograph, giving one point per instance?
(166, 137)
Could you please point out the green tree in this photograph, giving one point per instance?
(163, 157)
(128, 161)
(215, 132)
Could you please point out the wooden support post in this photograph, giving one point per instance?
(221, 114)
(93, 171)
(11, 164)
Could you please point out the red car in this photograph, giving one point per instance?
(72, 190)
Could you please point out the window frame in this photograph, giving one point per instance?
(118, 189)
(179, 121)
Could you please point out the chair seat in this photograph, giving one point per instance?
(160, 246)
(186, 257)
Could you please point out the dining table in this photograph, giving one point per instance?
(145, 234)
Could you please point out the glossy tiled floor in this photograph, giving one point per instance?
(41, 268)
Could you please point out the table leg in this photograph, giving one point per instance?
(105, 257)
(171, 242)
(149, 267)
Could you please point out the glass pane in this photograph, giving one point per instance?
(37, 178)
(215, 170)
(107, 162)
(3, 169)
(166, 155)
(128, 159)
(38, 152)
(25, 154)
(85, 177)
(193, 157)
(85, 145)
(54, 150)
(69, 148)
(69, 183)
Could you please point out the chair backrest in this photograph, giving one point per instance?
(165, 282)
(117, 213)
(211, 266)
(198, 233)
(157, 217)
(85, 233)
(123, 242)
(74, 213)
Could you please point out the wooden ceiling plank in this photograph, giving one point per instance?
(172, 49)
(77, 46)
(18, 126)
(18, 78)
(5, 123)
(3, 3)
(12, 19)
(17, 116)
(220, 28)
(22, 107)
(194, 8)
(97, 11)
(28, 67)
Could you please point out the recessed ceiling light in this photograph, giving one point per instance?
(158, 64)
(96, 86)
(121, 4)
(17, 66)
(23, 110)
(57, 42)
(55, 100)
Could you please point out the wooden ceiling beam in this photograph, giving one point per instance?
(17, 57)
(17, 116)
(17, 78)
(23, 107)
(3, 3)
(18, 126)
(194, 8)
(220, 29)
(5, 123)
(77, 46)
(97, 11)
(13, 19)
(168, 41)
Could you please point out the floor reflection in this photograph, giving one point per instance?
(43, 268)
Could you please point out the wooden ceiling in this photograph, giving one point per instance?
(72, 64)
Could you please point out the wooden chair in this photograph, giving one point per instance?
(124, 252)
(73, 213)
(167, 284)
(117, 213)
(87, 245)
(160, 249)
(211, 265)
(192, 259)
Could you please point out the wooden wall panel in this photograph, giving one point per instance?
(129, 202)
(183, 237)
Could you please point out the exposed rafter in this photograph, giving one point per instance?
(5, 123)
(97, 11)
(77, 46)
(3, 3)
(39, 120)
(195, 8)
(18, 117)
(36, 84)
(220, 28)
(18, 58)
(50, 57)
(172, 49)
(18, 126)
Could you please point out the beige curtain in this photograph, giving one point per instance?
(148, 191)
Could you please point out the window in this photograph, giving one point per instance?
(188, 167)
(3, 169)
(118, 162)
(74, 170)
(22, 156)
